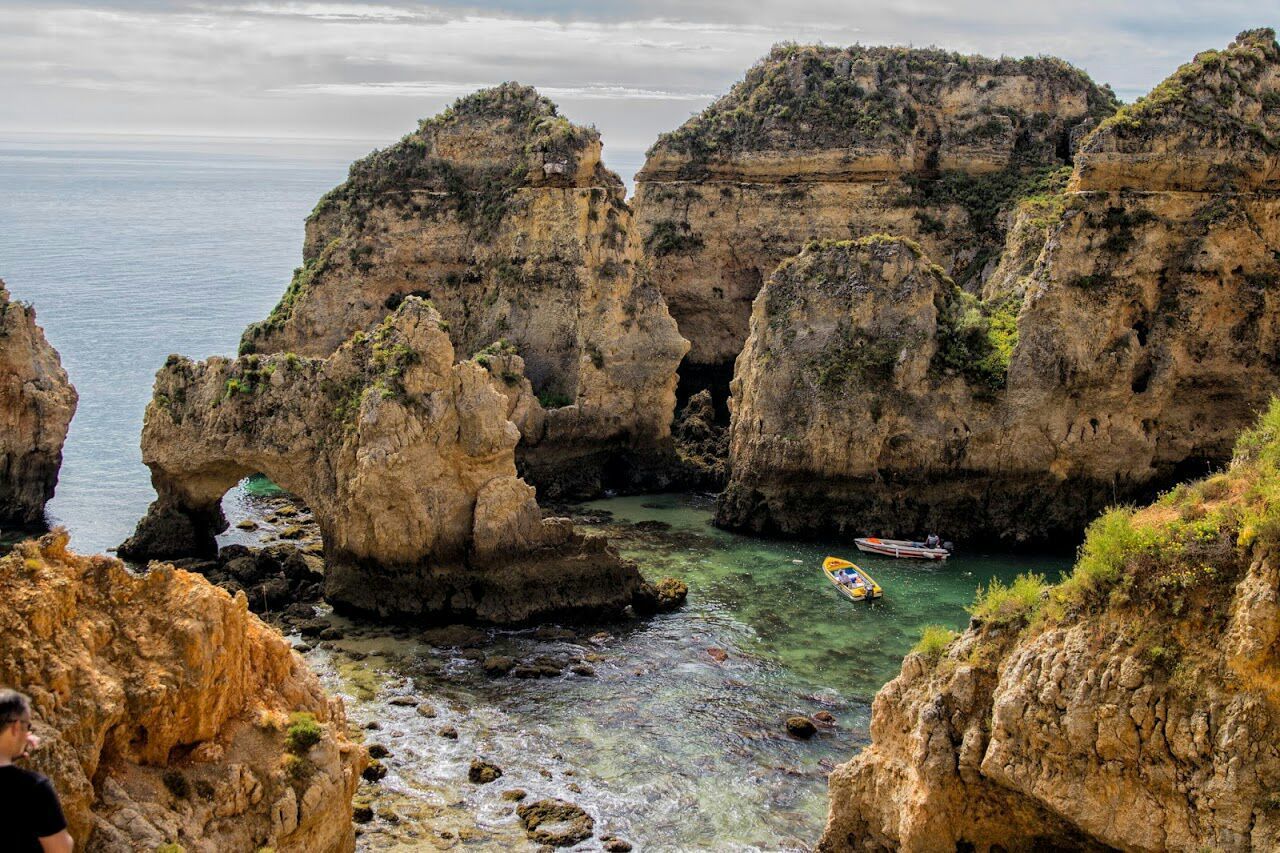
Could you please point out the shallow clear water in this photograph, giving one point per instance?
(672, 749)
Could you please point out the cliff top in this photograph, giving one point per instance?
(814, 96)
(488, 142)
(1229, 96)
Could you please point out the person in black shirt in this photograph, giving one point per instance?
(30, 816)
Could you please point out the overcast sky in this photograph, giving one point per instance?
(368, 70)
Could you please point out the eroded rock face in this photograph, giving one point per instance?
(1133, 707)
(1125, 357)
(404, 457)
(831, 143)
(162, 703)
(500, 212)
(36, 406)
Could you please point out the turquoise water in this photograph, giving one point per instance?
(669, 748)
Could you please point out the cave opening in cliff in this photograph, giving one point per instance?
(714, 378)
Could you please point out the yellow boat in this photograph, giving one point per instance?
(853, 582)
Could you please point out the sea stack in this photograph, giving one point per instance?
(1124, 338)
(37, 402)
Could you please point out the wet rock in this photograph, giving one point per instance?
(247, 524)
(718, 655)
(495, 665)
(388, 814)
(300, 610)
(448, 732)
(651, 525)
(293, 531)
(312, 628)
(426, 710)
(801, 727)
(585, 670)
(454, 637)
(373, 725)
(404, 701)
(361, 811)
(825, 717)
(514, 795)
(356, 655)
(377, 750)
(614, 844)
(302, 648)
(375, 771)
(332, 634)
(601, 637)
(483, 772)
(667, 594)
(551, 632)
(540, 667)
(555, 822)
(575, 787)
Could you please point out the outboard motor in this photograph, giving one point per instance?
(949, 547)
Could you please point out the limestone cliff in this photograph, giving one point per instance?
(501, 213)
(406, 460)
(831, 143)
(36, 405)
(162, 703)
(1134, 706)
(1126, 338)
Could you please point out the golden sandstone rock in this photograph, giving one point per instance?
(405, 457)
(873, 395)
(162, 702)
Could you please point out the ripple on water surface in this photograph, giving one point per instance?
(669, 748)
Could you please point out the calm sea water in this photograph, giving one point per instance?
(133, 248)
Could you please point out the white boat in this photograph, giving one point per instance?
(901, 548)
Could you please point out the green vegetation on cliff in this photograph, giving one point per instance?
(1162, 571)
(814, 96)
(1210, 93)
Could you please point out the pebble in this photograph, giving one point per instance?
(404, 701)
(448, 732)
(483, 772)
(426, 710)
(801, 727)
(377, 750)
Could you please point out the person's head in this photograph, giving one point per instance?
(15, 723)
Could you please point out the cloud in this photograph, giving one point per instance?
(346, 68)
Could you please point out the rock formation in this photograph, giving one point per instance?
(1134, 706)
(404, 457)
(36, 405)
(163, 705)
(501, 213)
(834, 143)
(1125, 338)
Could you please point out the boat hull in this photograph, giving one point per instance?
(900, 549)
(833, 567)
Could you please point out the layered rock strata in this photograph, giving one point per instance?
(163, 705)
(838, 143)
(875, 396)
(500, 211)
(406, 460)
(37, 402)
(1132, 707)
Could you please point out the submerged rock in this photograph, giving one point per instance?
(801, 727)
(668, 594)
(483, 772)
(555, 822)
(37, 402)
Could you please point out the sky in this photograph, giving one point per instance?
(345, 69)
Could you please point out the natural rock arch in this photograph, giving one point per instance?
(404, 457)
